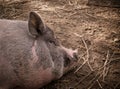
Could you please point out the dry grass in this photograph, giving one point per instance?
(101, 72)
(86, 60)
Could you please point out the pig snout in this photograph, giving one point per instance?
(71, 54)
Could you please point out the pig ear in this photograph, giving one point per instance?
(35, 24)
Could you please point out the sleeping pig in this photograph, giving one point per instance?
(30, 55)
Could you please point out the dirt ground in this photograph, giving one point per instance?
(94, 30)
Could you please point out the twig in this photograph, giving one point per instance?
(81, 66)
(105, 71)
(57, 14)
(73, 14)
(12, 1)
(99, 83)
(88, 55)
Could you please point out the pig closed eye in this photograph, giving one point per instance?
(52, 42)
(56, 43)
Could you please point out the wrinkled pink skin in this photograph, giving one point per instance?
(30, 55)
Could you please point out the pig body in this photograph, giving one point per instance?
(30, 55)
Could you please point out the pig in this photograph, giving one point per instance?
(30, 54)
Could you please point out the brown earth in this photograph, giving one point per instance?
(95, 31)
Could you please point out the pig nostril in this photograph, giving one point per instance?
(75, 56)
(66, 61)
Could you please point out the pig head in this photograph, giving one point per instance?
(30, 55)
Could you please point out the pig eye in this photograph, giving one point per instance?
(52, 42)
(55, 42)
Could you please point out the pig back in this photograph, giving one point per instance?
(15, 43)
(15, 49)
